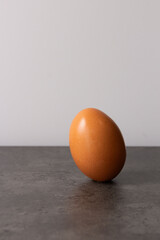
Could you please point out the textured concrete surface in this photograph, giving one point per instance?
(44, 196)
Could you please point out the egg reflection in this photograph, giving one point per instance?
(93, 206)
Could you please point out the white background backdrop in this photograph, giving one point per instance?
(58, 57)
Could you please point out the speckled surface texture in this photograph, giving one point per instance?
(43, 196)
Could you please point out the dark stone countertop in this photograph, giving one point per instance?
(43, 196)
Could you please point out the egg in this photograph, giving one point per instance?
(97, 145)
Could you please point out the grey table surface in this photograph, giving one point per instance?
(44, 196)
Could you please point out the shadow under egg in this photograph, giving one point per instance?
(93, 198)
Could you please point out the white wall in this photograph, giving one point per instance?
(58, 57)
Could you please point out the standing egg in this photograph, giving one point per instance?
(97, 145)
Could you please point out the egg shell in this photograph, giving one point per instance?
(97, 145)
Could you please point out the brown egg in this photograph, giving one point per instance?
(97, 145)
